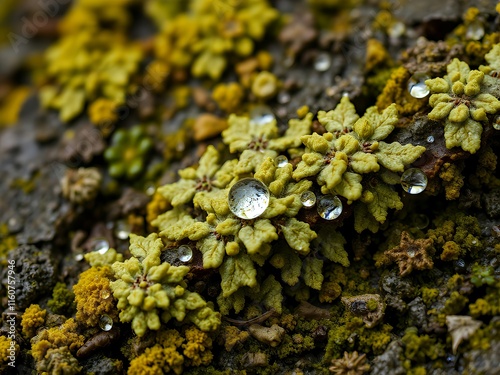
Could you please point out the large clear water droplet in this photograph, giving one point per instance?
(185, 253)
(261, 115)
(248, 198)
(414, 181)
(329, 207)
(281, 161)
(105, 322)
(417, 87)
(308, 198)
(475, 30)
(101, 246)
(122, 230)
(322, 62)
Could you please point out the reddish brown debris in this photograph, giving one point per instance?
(412, 254)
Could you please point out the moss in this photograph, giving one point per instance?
(429, 295)
(93, 296)
(148, 290)
(455, 303)
(63, 300)
(420, 348)
(127, 155)
(228, 96)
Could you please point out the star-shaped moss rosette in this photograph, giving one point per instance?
(462, 101)
(341, 119)
(339, 163)
(412, 254)
(258, 141)
(148, 290)
(209, 176)
(128, 152)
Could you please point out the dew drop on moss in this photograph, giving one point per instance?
(475, 31)
(122, 230)
(308, 198)
(248, 198)
(417, 87)
(322, 62)
(104, 294)
(261, 115)
(281, 161)
(414, 181)
(329, 207)
(496, 123)
(105, 322)
(185, 253)
(101, 246)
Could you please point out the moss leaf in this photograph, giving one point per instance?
(466, 135)
(395, 156)
(298, 235)
(331, 244)
(312, 274)
(237, 272)
(341, 118)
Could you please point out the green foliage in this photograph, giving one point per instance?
(127, 153)
(461, 99)
(482, 275)
(147, 289)
(355, 147)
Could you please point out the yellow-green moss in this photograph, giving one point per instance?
(33, 318)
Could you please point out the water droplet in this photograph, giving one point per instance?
(345, 94)
(322, 62)
(79, 257)
(14, 225)
(474, 242)
(248, 198)
(185, 253)
(122, 230)
(308, 198)
(417, 87)
(396, 30)
(413, 181)
(281, 161)
(411, 253)
(421, 221)
(101, 246)
(150, 188)
(105, 322)
(329, 207)
(283, 97)
(105, 293)
(430, 139)
(261, 115)
(496, 123)
(474, 31)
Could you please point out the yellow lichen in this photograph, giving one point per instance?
(33, 318)
(93, 296)
(65, 335)
(228, 96)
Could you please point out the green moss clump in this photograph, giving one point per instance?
(62, 301)
(147, 289)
